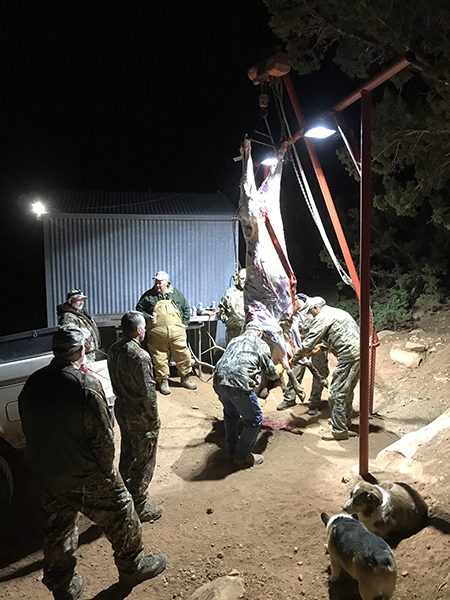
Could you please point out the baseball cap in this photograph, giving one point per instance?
(161, 276)
(313, 302)
(303, 297)
(68, 340)
(75, 294)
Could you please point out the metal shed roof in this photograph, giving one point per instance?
(139, 203)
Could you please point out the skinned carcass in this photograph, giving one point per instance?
(270, 286)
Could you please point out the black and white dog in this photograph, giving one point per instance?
(366, 557)
(393, 511)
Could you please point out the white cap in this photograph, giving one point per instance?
(161, 276)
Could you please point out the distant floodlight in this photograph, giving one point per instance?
(269, 162)
(38, 208)
(319, 132)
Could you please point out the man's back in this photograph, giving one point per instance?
(131, 371)
(52, 406)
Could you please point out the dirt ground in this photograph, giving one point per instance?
(263, 523)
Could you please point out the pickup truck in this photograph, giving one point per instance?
(21, 355)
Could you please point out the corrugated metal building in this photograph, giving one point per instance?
(110, 244)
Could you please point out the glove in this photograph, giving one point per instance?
(279, 368)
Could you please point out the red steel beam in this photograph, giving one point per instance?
(323, 186)
(364, 274)
(371, 84)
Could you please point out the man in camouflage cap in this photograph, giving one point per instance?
(70, 445)
(339, 331)
(231, 307)
(235, 376)
(73, 311)
(136, 408)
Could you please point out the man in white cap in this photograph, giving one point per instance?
(168, 314)
(72, 311)
(340, 332)
(235, 376)
(231, 307)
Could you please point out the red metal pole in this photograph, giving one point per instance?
(323, 186)
(380, 78)
(364, 274)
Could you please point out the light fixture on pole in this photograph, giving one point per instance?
(320, 132)
(38, 209)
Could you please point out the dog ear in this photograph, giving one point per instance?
(373, 499)
(325, 518)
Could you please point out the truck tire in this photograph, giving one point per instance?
(6, 487)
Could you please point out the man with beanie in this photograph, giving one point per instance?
(235, 376)
(70, 446)
(136, 408)
(168, 314)
(339, 331)
(73, 311)
(231, 307)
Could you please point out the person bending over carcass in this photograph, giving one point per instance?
(319, 359)
(235, 376)
(339, 331)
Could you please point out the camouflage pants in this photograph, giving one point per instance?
(139, 438)
(107, 503)
(320, 361)
(340, 397)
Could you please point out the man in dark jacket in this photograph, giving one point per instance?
(131, 371)
(73, 311)
(235, 376)
(168, 314)
(70, 445)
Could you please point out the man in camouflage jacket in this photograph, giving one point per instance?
(231, 307)
(319, 358)
(339, 331)
(131, 371)
(235, 376)
(168, 314)
(72, 311)
(70, 445)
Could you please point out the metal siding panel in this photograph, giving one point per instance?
(113, 260)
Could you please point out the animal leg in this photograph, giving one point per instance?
(335, 570)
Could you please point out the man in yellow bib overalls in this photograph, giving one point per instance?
(168, 313)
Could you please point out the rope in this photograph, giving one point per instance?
(304, 187)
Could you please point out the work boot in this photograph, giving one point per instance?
(150, 512)
(263, 394)
(164, 387)
(74, 591)
(149, 566)
(313, 410)
(187, 382)
(284, 404)
(249, 461)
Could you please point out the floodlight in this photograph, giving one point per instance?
(38, 208)
(320, 132)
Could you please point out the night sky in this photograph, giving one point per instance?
(133, 96)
